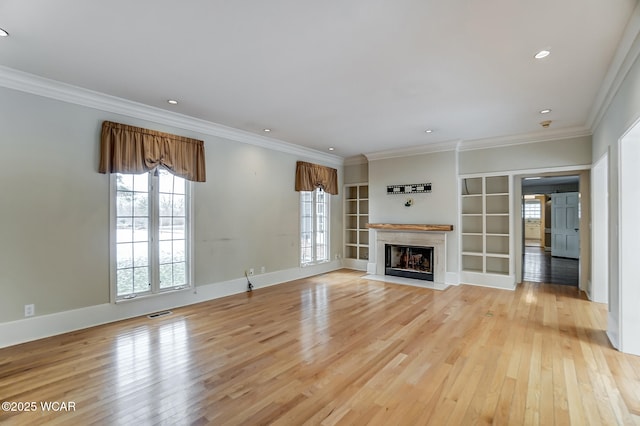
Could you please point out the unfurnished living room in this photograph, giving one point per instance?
(385, 213)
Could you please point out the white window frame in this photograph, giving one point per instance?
(314, 260)
(530, 212)
(154, 289)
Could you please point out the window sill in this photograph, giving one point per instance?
(152, 295)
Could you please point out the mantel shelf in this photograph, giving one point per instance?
(410, 227)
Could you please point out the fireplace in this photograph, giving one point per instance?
(430, 236)
(409, 261)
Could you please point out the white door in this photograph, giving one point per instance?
(565, 225)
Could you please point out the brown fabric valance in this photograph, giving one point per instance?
(128, 149)
(310, 176)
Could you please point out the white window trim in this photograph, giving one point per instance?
(113, 253)
(328, 232)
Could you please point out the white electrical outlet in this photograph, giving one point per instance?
(262, 269)
(29, 310)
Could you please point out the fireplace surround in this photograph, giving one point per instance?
(434, 236)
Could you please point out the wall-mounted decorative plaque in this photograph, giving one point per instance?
(414, 188)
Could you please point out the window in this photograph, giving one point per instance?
(151, 233)
(532, 209)
(314, 227)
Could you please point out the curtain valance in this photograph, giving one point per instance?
(310, 176)
(129, 149)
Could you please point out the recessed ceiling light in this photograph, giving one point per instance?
(542, 54)
(428, 131)
(172, 102)
(545, 111)
(266, 130)
(3, 33)
(331, 148)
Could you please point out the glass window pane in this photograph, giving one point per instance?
(166, 204)
(166, 180)
(178, 251)
(141, 254)
(124, 279)
(179, 274)
(124, 230)
(141, 229)
(141, 279)
(124, 204)
(124, 255)
(179, 185)
(179, 228)
(178, 205)
(166, 275)
(166, 251)
(141, 182)
(140, 204)
(165, 229)
(124, 182)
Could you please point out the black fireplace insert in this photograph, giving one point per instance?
(409, 261)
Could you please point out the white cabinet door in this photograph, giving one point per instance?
(565, 225)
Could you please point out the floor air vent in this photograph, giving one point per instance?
(159, 314)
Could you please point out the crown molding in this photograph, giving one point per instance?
(626, 55)
(525, 138)
(414, 150)
(36, 85)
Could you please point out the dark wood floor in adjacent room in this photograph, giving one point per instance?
(338, 349)
(539, 266)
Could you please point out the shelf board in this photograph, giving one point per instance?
(472, 253)
(479, 234)
(471, 195)
(410, 227)
(497, 214)
(472, 214)
(496, 235)
(494, 272)
(489, 194)
(498, 255)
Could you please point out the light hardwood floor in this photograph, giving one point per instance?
(338, 349)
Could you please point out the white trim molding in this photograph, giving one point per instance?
(29, 83)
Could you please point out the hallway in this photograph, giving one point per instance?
(540, 266)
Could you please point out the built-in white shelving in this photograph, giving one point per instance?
(356, 233)
(485, 237)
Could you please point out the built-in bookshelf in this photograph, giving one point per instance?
(356, 233)
(485, 236)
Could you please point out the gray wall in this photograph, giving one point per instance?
(54, 220)
(438, 207)
(356, 173)
(539, 155)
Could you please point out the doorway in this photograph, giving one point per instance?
(550, 218)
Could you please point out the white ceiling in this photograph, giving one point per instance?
(361, 76)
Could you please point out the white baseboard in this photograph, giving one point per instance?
(356, 264)
(38, 327)
(504, 282)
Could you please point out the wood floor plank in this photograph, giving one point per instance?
(337, 349)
